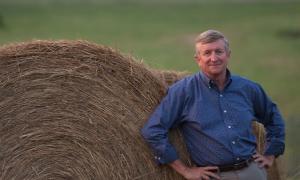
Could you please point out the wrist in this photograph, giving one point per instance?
(180, 168)
(270, 157)
(185, 172)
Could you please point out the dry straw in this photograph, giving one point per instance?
(73, 110)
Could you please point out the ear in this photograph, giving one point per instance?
(229, 53)
(196, 58)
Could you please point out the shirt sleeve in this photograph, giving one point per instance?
(268, 114)
(165, 116)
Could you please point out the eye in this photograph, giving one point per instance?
(206, 53)
(219, 51)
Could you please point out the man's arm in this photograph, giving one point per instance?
(155, 132)
(165, 116)
(268, 114)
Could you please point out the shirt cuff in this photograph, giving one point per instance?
(167, 157)
(275, 148)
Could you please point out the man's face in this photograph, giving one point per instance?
(212, 58)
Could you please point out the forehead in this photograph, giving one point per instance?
(219, 44)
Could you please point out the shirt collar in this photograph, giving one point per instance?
(210, 82)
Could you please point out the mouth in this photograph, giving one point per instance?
(215, 64)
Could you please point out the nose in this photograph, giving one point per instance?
(213, 57)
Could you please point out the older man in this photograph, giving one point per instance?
(214, 111)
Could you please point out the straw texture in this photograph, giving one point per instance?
(73, 110)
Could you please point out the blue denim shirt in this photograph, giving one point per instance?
(216, 125)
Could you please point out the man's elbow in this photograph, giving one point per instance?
(150, 134)
(145, 133)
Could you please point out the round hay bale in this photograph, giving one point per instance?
(169, 77)
(74, 110)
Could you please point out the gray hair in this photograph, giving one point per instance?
(210, 36)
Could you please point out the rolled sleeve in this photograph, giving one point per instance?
(169, 155)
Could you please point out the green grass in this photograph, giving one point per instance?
(162, 35)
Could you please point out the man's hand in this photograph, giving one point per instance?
(264, 160)
(195, 173)
(201, 173)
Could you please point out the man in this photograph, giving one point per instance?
(214, 111)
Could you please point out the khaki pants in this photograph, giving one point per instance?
(252, 172)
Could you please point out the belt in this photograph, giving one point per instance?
(236, 166)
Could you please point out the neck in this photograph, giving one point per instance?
(219, 79)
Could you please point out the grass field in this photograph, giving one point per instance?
(264, 37)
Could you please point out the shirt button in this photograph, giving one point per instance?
(225, 111)
(229, 127)
(238, 159)
(221, 95)
(233, 142)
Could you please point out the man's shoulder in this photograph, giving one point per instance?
(184, 85)
(241, 80)
(186, 81)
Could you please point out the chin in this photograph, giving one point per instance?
(215, 72)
